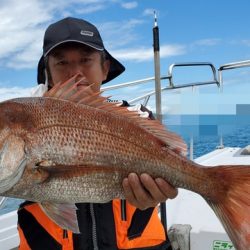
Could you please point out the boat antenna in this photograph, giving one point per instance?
(156, 46)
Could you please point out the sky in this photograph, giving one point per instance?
(190, 31)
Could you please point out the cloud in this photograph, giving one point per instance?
(246, 42)
(129, 5)
(9, 93)
(207, 42)
(149, 12)
(146, 54)
(119, 34)
(91, 9)
(22, 26)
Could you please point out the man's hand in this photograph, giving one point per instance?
(144, 192)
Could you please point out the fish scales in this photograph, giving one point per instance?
(78, 135)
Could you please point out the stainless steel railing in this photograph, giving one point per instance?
(192, 64)
(170, 78)
(229, 66)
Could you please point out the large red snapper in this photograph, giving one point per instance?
(71, 146)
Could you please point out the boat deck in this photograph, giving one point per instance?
(225, 156)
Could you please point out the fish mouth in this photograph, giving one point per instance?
(9, 182)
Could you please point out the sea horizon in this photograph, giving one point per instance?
(207, 131)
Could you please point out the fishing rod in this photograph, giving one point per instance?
(156, 45)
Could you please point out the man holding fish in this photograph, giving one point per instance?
(73, 49)
(72, 146)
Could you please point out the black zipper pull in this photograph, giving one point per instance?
(123, 210)
(65, 234)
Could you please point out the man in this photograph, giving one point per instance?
(74, 47)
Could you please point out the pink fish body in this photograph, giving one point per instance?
(71, 146)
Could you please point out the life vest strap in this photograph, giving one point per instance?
(139, 222)
(36, 236)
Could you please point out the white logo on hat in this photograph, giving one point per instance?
(86, 33)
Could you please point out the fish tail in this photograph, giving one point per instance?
(233, 205)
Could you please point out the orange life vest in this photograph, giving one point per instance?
(152, 235)
(134, 229)
(59, 238)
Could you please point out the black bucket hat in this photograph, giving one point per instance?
(80, 31)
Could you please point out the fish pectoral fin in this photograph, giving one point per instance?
(40, 172)
(39, 175)
(63, 214)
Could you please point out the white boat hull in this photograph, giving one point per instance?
(8, 231)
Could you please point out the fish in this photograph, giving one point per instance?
(72, 146)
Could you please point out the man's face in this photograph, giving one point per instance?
(65, 62)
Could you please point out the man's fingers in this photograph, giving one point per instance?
(128, 192)
(136, 194)
(152, 187)
(142, 195)
(147, 192)
(168, 190)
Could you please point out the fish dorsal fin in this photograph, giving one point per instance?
(71, 91)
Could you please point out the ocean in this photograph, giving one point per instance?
(205, 131)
